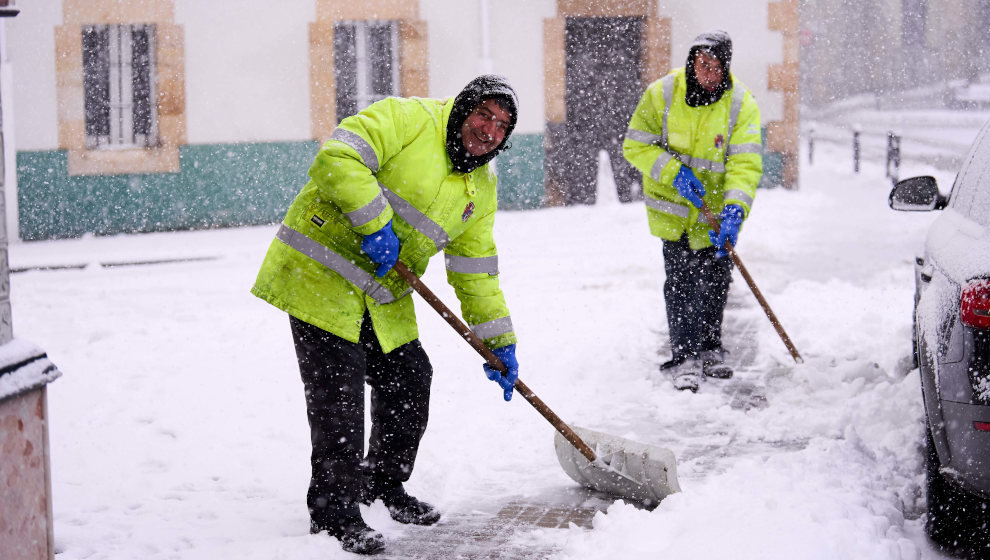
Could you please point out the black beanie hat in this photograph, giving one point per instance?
(718, 44)
(483, 87)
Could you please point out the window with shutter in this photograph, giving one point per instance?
(366, 64)
(119, 86)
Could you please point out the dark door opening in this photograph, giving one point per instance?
(603, 86)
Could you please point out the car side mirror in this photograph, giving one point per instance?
(917, 194)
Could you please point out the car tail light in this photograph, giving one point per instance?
(974, 308)
(982, 426)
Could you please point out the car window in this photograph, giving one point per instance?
(971, 191)
(979, 208)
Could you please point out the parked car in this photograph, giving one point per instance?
(952, 348)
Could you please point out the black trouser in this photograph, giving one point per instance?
(582, 167)
(695, 294)
(334, 372)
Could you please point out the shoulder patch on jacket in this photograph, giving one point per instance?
(468, 210)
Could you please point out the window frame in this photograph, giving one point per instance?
(121, 129)
(361, 78)
(169, 88)
(970, 182)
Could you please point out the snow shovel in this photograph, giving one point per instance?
(617, 466)
(714, 223)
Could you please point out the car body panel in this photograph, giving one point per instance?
(968, 447)
(933, 406)
(945, 348)
(956, 251)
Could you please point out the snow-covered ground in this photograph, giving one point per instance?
(178, 430)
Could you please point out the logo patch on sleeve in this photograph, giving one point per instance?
(468, 210)
(317, 220)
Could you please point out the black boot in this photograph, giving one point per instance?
(715, 366)
(672, 363)
(403, 507)
(353, 533)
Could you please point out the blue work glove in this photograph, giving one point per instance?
(689, 186)
(383, 248)
(508, 356)
(728, 230)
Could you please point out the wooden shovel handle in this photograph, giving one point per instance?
(714, 223)
(492, 359)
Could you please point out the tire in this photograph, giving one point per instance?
(958, 522)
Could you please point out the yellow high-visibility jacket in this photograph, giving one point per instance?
(721, 142)
(388, 162)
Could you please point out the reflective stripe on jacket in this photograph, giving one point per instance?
(388, 162)
(721, 142)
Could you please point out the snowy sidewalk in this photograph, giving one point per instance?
(178, 429)
(477, 535)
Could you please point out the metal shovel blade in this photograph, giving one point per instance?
(624, 468)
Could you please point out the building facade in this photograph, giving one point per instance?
(883, 47)
(148, 115)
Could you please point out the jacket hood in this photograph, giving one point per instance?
(719, 44)
(483, 87)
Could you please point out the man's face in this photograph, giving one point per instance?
(484, 129)
(707, 70)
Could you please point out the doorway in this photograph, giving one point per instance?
(603, 86)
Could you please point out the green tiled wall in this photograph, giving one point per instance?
(218, 185)
(222, 185)
(773, 167)
(520, 173)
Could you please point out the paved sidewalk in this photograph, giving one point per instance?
(482, 536)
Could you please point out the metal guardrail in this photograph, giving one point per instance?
(893, 157)
(888, 147)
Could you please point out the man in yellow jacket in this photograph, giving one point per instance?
(403, 179)
(695, 136)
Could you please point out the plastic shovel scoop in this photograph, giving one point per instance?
(619, 467)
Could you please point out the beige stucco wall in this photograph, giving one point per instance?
(170, 86)
(266, 75)
(413, 51)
